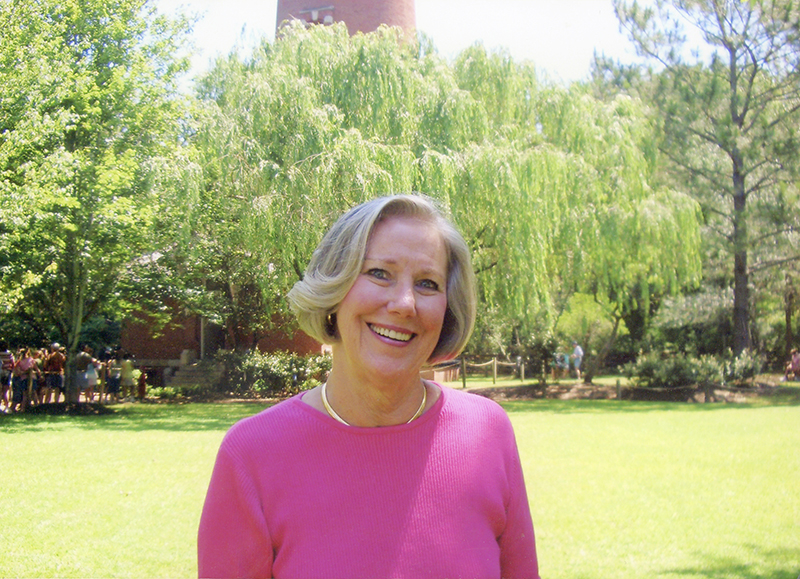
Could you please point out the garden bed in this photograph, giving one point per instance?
(580, 391)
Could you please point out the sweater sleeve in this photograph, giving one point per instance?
(517, 543)
(233, 539)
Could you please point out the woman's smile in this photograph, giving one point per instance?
(395, 335)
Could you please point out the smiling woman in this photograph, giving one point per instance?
(377, 473)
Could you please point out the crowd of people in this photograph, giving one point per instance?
(560, 366)
(35, 376)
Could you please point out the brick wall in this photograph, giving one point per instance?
(358, 15)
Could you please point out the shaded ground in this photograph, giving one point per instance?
(766, 386)
(572, 390)
(62, 408)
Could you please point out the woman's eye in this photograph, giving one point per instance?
(377, 273)
(429, 284)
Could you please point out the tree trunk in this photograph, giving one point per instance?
(788, 305)
(741, 290)
(71, 393)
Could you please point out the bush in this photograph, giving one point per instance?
(173, 393)
(538, 352)
(656, 370)
(743, 367)
(664, 370)
(709, 370)
(272, 374)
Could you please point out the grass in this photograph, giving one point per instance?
(631, 490)
(617, 489)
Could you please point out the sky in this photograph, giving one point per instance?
(558, 36)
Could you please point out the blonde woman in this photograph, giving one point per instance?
(376, 473)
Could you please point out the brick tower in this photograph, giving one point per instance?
(358, 15)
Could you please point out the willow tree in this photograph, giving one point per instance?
(730, 104)
(87, 108)
(576, 212)
(535, 177)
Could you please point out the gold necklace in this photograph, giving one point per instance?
(332, 412)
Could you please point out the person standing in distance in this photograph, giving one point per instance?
(377, 472)
(577, 358)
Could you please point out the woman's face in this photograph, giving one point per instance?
(390, 320)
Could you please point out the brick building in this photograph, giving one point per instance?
(358, 15)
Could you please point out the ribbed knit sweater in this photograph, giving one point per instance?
(296, 494)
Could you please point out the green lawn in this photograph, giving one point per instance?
(617, 489)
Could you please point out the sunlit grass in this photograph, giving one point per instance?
(617, 489)
(632, 490)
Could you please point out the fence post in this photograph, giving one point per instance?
(494, 370)
(522, 371)
(619, 390)
(463, 372)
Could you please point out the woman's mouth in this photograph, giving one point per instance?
(391, 334)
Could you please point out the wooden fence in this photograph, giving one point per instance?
(449, 371)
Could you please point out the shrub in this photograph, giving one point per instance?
(664, 370)
(272, 374)
(739, 369)
(655, 370)
(709, 370)
(172, 393)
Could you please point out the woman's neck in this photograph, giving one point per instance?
(369, 401)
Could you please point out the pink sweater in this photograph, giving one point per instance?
(296, 494)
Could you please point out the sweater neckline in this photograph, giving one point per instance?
(426, 416)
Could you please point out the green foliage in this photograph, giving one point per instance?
(709, 370)
(551, 187)
(741, 368)
(696, 323)
(730, 134)
(537, 351)
(656, 370)
(272, 374)
(676, 370)
(587, 322)
(88, 109)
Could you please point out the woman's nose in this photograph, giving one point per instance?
(402, 301)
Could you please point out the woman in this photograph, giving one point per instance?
(25, 376)
(376, 473)
(114, 377)
(127, 378)
(54, 372)
(92, 379)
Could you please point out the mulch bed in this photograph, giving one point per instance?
(71, 409)
(581, 391)
(558, 391)
(554, 391)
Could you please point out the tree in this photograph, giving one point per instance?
(550, 187)
(88, 111)
(730, 109)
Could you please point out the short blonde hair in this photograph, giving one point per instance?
(337, 262)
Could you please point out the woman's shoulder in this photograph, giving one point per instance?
(279, 421)
(469, 406)
(469, 399)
